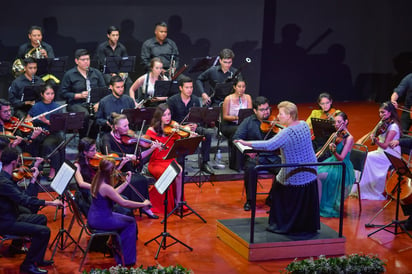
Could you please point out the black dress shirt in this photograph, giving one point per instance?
(152, 48)
(73, 82)
(111, 104)
(178, 108)
(213, 76)
(17, 87)
(105, 50)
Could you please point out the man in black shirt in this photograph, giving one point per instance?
(13, 222)
(179, 105)
(162, 47)
(249, 129)
(39, 48)
(114, 102)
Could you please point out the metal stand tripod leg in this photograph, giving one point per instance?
(165, 234)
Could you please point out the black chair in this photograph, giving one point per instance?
(7, 237)
(93, 233)
(358, 158)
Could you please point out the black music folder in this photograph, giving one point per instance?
(164, 88)
(31, 93)
(116, 64)
(323, 128)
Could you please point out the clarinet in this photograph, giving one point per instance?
(89, 89)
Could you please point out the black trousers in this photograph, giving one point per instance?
(35, 226)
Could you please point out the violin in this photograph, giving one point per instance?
(328, 115)
(25, 127)
(174, 127)
(383, 127)
(144, 141)
(95, 161)
(267, 126)
(340, 136)
(21, 173)
(11, 136)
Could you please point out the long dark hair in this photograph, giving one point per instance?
(84, 145)
(156, 122)
(388, 106)
(103, 174)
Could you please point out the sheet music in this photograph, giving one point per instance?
(167, 178)
(62, 178)
(243, 148)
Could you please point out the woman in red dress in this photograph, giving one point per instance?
(157, 165)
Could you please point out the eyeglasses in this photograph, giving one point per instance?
(264, 109)
(324, 104)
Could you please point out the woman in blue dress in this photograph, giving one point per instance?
(330, 176)
(101, 215)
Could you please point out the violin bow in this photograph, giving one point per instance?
(138, 137)
(18, 124)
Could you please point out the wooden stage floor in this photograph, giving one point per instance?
(224, 200)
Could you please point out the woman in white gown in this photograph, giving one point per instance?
(372, 184)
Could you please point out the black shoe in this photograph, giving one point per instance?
(206, 168)
(13, 250)
(45, 263)
(151, 216)
(246, 206)
(32, 269)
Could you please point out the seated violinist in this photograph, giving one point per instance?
(250, 129)
(326, 111)
(329, 177)
(118, 141)
(161, 130)
(114, 102)
(230, 114)
(46, 144)
(373, 180)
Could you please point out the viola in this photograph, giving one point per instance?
(95, 161)
(340, 136)
(21, 173)
(174, 127)
(144, 141)
(383, 127)
(267, 126)
(25, 127)
(328, 115)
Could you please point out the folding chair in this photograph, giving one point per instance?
(93, 233)
(358, 158)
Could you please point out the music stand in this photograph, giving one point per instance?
(116, 64)
(322, 128)
(180, 149)
(137, 116)
(244, 113)
(59, 184)
(401, 169)
(203, 63)
(5, 68)
(221, 90)
(162, 186)
(66, 121)
(31, 92)
(163, 88)
(55, 66)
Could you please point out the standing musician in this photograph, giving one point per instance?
(102, 217)
(404, 88)
(215, 75)
(250, 129)
(36, 47)
(162, 47)
(120, 142)
(295, 186)
(145, 84)
(114, 102)
(76, 86)
(230, 114)
(180, 105)
(160, 125)
(373, 180)
(16, 88)
(13, 222)
(46, 144)
(330, 176)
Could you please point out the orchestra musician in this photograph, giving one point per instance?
(162, 47)
(157, 164)
(36, 44)
(76, 86)
(114, 102)
(404, 88)
(215, 75)
(46, 144)
(180, 105)
(14, 222)
(120, 142)
(325, 111)
(250, 129)
(230, 118)
(16, 89)
(372, 184)
(101, 215)
(295, 186)
(145, 85)
(330, 176)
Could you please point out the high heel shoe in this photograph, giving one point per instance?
(151, 216)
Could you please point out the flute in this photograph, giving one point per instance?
(46, 113)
